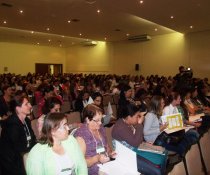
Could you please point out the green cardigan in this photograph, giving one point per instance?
(41, 161)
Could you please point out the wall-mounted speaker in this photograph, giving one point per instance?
(136, 67)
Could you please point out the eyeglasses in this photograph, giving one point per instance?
(98, 121)
(64, 126)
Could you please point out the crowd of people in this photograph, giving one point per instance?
(142, 101)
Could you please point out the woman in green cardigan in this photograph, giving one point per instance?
(57, 153)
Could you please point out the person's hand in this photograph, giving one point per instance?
(113, 154)
(197, 125)
(103, 158)
(163, 126)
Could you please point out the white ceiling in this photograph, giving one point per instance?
(129, 16)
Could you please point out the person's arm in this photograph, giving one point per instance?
(148, 122)
(34, 164)
(125, 133)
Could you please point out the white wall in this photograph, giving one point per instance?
(89, 59)
(162, 55)
(21, 58)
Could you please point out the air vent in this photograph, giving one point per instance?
(117, 30)
(140, 38)
(75, 20)
(90, 1)
(6, 4)
(89, 43)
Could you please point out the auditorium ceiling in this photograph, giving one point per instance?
(62, 23)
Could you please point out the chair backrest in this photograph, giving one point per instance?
(35, 111)
(74, 117)
(109, 136)
(34, 126)
(66, 107)
(107, 99)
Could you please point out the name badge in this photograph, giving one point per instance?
(100, 150)
(28, 138)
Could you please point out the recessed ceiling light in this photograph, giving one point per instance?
(172, 17)
(80, 34)
(47, 29)
(32, 32)
(5, 22)
(156, 29)
(69, 21)
(60, 45)
(37, 43)
(105, 38)
(141, 2)
(127, 34)
(62, 36)
(49, 40)
(98, 11)
(191, 27)
(21, 11)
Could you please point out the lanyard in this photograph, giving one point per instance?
(98, 149)
(28, 135)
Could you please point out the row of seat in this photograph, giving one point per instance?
(193, 159)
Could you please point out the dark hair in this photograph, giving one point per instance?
(173, 96)
(129, 110)
(155, 105)
(17, 101)
(90, 111)
(51, 122)
(49, 104)
(95, 95)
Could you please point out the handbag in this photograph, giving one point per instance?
(172, 138)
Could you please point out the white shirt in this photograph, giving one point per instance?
(170, 109)
(64, 164)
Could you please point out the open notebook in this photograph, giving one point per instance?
(124, 164)
(175, 123)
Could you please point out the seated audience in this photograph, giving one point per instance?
(52, 104)
(97, 100)
(191, 136)
(56, 152)
(92, 139)
(129, 128)
(17, 137)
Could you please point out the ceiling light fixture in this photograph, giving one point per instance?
(32, 32)
(48, 29)
(80, 34)
(156, 29)
(127, 34)
(69, 21)
(98, 11)
(5, 22)
(191, 27)
(141, 2)
(49, 40)
(21, 11)
(172, 17)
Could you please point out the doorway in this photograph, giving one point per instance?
(43, 68)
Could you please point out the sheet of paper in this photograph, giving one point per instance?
(125, 163)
